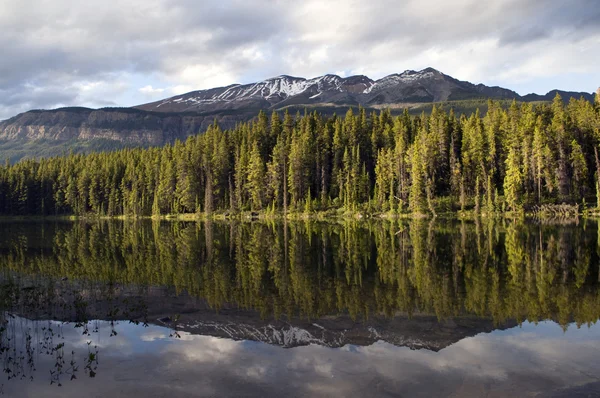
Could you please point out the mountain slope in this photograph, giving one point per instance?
(566, 95)
(53, 132)
(427, 85)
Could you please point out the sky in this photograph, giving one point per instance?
(99, 53)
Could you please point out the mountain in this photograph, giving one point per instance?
(42, 133)
(54, 132)
(415, 332)
(566, 95)
(427, 85)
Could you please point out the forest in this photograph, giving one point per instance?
(511, 159)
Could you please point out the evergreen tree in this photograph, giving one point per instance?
(256, 180)
(580, 170)
(524, 153)
(513, 180)
(417, 195)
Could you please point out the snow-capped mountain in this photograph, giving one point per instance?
(427, 85)
(178, 117)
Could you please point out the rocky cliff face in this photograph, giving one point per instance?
(55, 132)
(129, 126)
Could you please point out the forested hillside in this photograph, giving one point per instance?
(507, 160)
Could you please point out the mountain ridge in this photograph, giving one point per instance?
(410, 86)
(42, 133)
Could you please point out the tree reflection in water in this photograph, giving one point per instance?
(85, 271)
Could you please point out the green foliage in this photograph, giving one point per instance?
(373, 162)
(513, 181)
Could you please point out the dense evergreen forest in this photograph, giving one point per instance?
(508, 160)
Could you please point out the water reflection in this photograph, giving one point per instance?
(503, 271)
(360, 286)
(518, 362)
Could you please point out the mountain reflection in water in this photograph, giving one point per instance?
(376, 309)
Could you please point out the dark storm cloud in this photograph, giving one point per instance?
(25, 97)
(21, 98)
(49, 45)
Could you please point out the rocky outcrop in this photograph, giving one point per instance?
(125, 125)
(81, 130)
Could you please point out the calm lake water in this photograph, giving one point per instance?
(355, 308)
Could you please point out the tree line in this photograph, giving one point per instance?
(509, 159)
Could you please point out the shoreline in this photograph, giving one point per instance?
(303, 216)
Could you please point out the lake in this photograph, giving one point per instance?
(402, 308)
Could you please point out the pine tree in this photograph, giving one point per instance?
(559, 129)
(166, 184)
(477, 195)
(256, 180)
(384, 178)
(537, 157)
(417, 196)
(580, 170)
(489, 203)
(401, 132)
(513, 181)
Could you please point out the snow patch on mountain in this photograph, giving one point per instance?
(290, 336)
(406, 77)
(282, 87)
(276, 89)
(427, 85)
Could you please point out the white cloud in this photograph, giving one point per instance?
(149, 90)
(180, 89)
(150, 45)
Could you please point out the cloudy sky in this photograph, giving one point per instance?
(125, 52)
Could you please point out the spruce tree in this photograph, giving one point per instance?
(513, 180)
(256, 180)
(579, 168)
